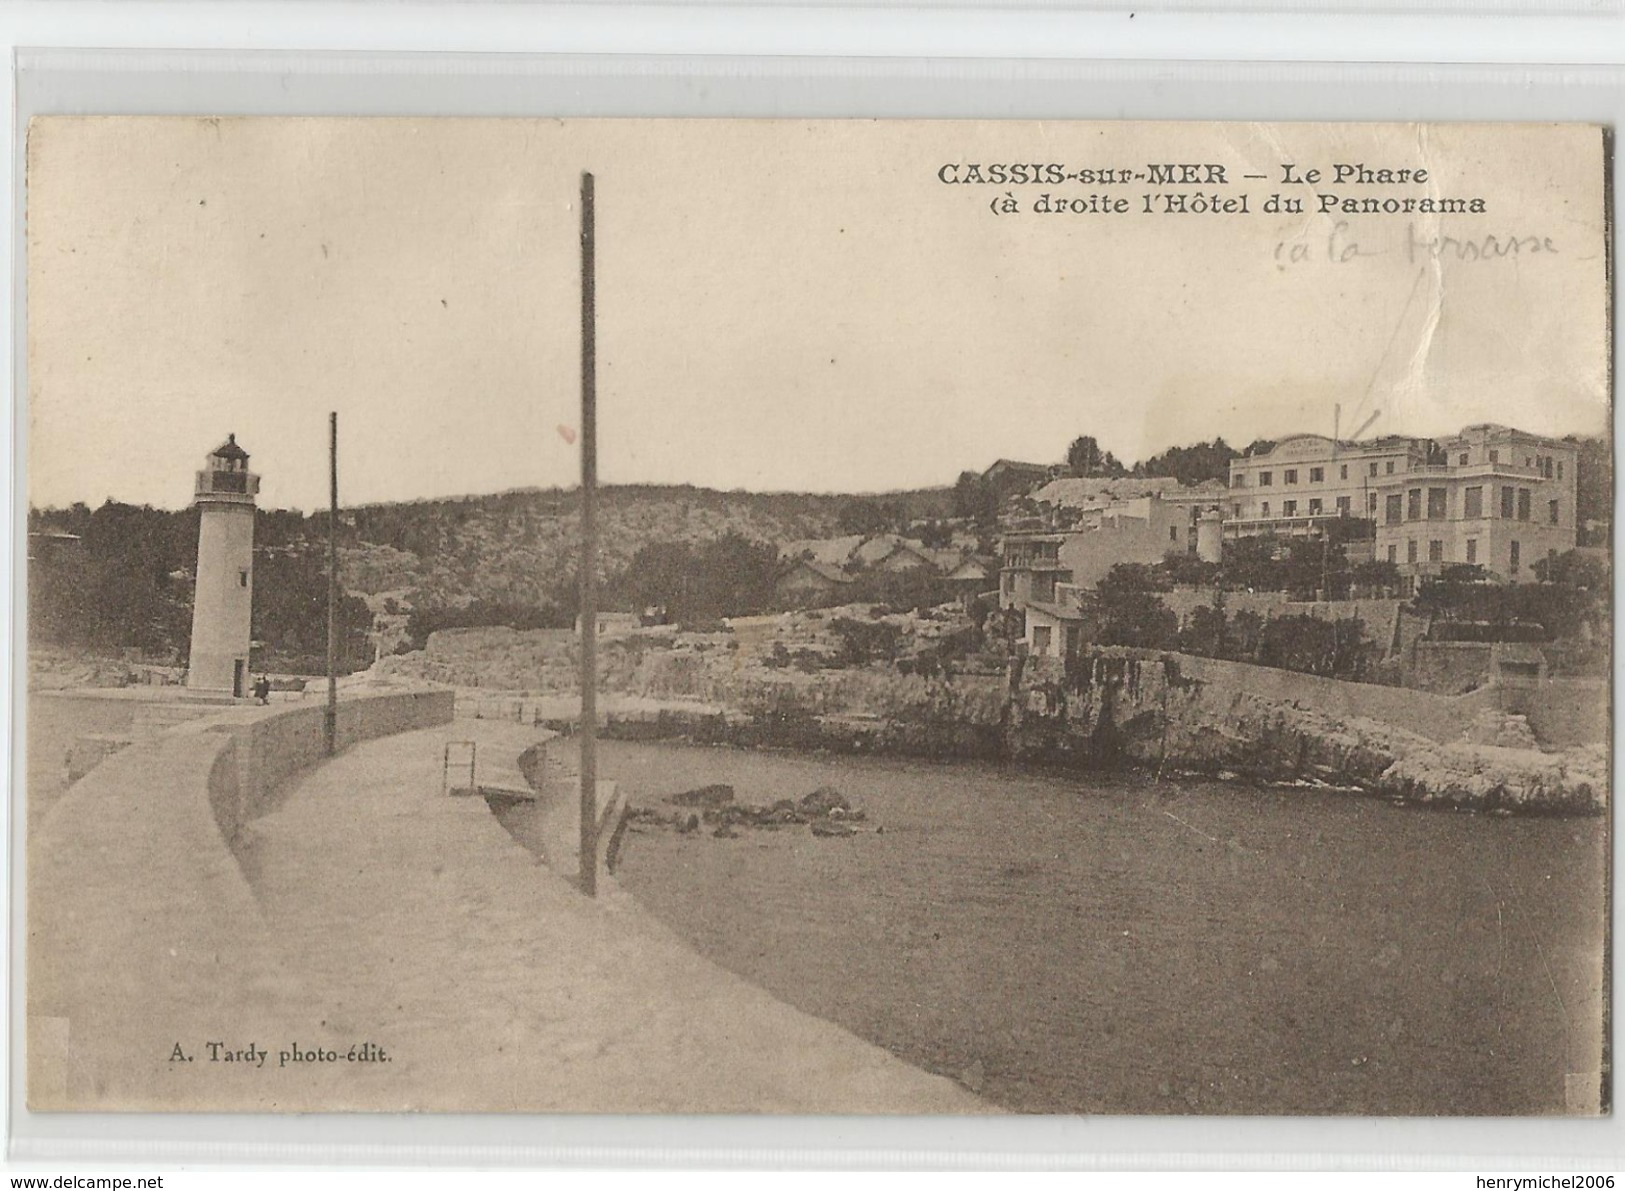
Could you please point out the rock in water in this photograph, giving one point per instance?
(824, 800)
(833, 830)
(713, 795)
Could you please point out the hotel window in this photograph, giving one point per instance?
(1551, 511)
(1371, 504)
(1495, 456)
(1523, 504)
(1506, 504)
(1266, 509)
(1373, 468)
(1396, 509)
(1289, 508)
(1041, 638)
(1237, 508)
(1410, 550)
(1317, 474)
(1265, 479)
(1472, 502)
(242, 578)
(1512, 559)
(1173, 533)
(1343, 472)
(1343, 506)
(1239, 480)
(1413, 505)
(1393, 553)
(1436, 551)
(1291, 476)
(1437, 499)
(1472, 549)
(1560, 471)
(1462, 461)
(1390, 467)
(1315, 507)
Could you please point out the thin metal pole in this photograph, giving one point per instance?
(589, 553)
(331, 719)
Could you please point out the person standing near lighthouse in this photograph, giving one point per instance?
(223, 603)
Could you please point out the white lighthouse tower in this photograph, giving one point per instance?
(225, 572)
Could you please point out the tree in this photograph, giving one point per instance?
(1375, 575)
(867, 515)
(1204, 634)
(1129, 577)
(933, 535)
(1191, 465)
(697, 583)
(1301, 567)
(739, 575)
(1085, 458)
(914, 588)
(290, 614)
(864, 641)
(975, 499)
(1594, 488)
(1331, 648)
(486, 614)
(1589, 572)
(1243, 634)
(1137, 618)
(1187, 570)
(1249, 564)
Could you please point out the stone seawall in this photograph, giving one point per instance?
(1169, 712)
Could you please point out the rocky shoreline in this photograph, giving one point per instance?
(1138, 708)
(1129, 709)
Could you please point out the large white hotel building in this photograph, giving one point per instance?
(1491, 495)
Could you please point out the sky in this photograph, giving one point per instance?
(782, 305)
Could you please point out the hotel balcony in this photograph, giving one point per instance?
(1301, 525)
(1471, 471)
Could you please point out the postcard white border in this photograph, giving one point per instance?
(348, 79)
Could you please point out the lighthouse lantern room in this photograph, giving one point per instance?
(222, 608)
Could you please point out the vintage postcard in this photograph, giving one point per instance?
(686, 616)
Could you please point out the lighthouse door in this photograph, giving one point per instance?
(237, 678)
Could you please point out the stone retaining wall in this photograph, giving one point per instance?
(1440, 717)
(1564, 712)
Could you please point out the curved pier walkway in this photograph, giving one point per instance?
(413, 921)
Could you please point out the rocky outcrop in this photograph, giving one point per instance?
(1502, 779)
(826, 812)
(1111, 707)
